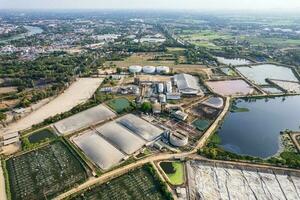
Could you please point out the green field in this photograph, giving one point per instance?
(41, 136)
(120, 105)
(136, 185)
(44, 173)
(201, 124)
(174, 171)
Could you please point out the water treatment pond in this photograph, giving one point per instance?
(257, 132)
(233, 61)
(258, 74)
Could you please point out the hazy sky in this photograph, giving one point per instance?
(154, 4)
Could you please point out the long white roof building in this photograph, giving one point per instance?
(188, 84)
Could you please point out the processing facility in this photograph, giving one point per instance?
(107, 145)
(187, 84)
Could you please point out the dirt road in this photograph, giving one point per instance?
(2, 185)
(79, 92)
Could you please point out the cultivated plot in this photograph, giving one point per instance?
(44, 173)
(137, 185)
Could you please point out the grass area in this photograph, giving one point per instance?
(202, 124)
(278, 42)
(138, 184)
(140, 59)
(44, 173)
(175, 49)
(174, 171)
(204, 38)
(120, 105)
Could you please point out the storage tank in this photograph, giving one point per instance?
(149, 69)
(169, 87)
(162, 98)
(162, 69)
(178, 139)
(160, 88)
(135, 69)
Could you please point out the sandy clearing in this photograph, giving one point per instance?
(2, 184)
(79, 92)
(4, 90)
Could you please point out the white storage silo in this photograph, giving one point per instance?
(135, 69)
(149, 69)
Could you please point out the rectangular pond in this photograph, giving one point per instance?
(259, 73)
(257, 131)
(230, 87)
(233, 61)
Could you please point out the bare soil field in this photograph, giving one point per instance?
(8, 103)
(79, 92)
(4, 90)
(140, 59)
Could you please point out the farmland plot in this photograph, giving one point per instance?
(44, 173)
(138, 184)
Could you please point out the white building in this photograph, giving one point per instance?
(187, 84)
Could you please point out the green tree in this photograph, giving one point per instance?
(146, 107)
(3, 116)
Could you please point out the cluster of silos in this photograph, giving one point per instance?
(149, 69)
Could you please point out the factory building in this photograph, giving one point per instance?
(180, 115)
(187, 84)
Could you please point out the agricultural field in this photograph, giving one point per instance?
(142, 59)
(44, 173)
(138, 184)
(119, 105)
(204, 38)
(174, 172)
